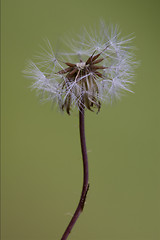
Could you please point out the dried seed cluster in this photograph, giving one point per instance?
(84, 74)
(98, 69)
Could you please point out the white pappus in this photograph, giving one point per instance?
(99, 68)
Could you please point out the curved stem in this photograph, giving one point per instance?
(85, 176)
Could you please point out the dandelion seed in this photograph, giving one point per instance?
(102, 71)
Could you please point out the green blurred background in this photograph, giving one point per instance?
(41, 158)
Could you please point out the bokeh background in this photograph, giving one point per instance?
(41, 158)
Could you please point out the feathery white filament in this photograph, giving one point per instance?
(118, 68)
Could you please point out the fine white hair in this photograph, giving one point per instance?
(118, 62)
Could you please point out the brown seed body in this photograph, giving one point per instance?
(80, 80)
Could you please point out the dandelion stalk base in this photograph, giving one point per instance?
(85, 176)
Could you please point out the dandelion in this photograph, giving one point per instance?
(97, 69)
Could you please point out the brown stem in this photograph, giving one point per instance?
(85, 176)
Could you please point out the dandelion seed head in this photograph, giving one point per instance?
(99, 68)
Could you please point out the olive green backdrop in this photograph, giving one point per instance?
(41, 158)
